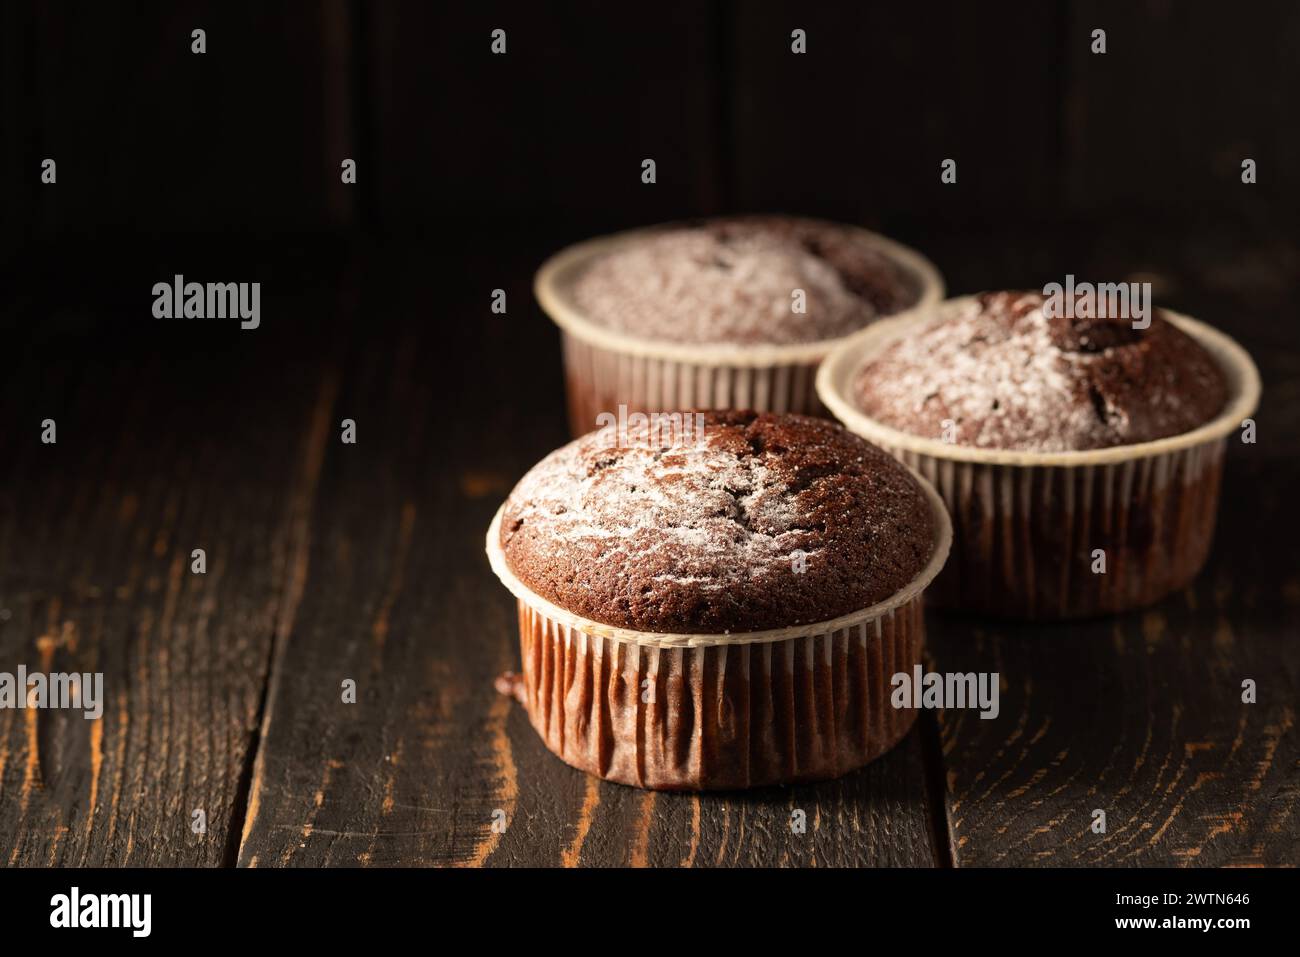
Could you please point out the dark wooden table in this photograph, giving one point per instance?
(328, 562)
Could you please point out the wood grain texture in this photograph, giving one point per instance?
(1140, 717)
(391, 601)
(875, 817)
(167, 441)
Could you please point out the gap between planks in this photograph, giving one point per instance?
(298, 544)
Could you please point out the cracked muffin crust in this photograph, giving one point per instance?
(771, 521)
(731, 281)
(1006, 376)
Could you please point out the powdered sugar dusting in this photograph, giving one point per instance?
(995, 372)
(696, 508)
(770, 521)
(737, 284)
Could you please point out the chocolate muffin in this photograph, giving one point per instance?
(1005, 375)
(731, 281)
(771, 521)
(720, 613)
(1080, 459)
(726, 313)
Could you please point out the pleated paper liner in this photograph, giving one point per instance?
(708, 712)
(605, 369)
(1027, 527)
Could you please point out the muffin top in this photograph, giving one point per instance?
(733, 281)
(769, 521)
(1006, 375)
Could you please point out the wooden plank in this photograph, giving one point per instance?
(872, 818)
(151, 137)
(553, 130)
(19, 162)
(400, 599)
(1162, 121)
(856, 128)
(170, 437)
(1141, 718)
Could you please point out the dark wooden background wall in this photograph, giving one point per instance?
(246, 140)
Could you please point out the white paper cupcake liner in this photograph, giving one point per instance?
(600, 380)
